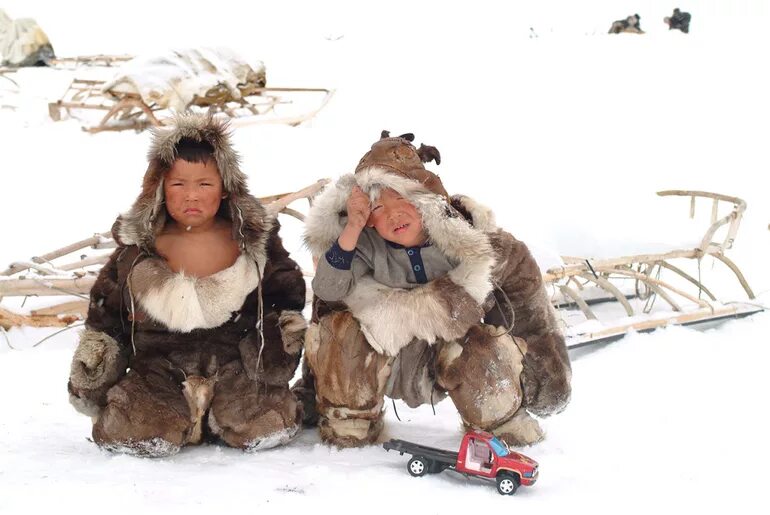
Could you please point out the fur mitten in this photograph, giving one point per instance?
(98, 363)
(293, 326)
(275, 362)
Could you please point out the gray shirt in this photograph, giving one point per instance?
(389, 264)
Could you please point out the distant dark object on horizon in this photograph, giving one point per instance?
(678, 20)
(630, 24)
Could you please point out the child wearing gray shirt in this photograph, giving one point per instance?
(391, 245)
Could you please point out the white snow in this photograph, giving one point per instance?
(567, 136)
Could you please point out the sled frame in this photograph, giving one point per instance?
(644, 270)
(128, 111)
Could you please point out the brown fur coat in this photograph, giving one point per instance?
(496, 279)
(140, 310)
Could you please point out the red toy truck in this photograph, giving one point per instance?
(481, 454)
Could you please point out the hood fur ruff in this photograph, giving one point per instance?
(250, 220)
(185, 303)
(393, 317)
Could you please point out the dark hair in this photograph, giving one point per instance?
(194, 151)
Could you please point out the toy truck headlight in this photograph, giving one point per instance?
(531, 473)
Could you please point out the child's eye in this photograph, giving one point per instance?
(375, 208)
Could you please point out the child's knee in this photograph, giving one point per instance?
(350, 380)
(348, 371)
(143, 421)
(252, 416)
(482, 374)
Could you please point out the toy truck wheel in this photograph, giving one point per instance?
(507, 484)
(418, 466)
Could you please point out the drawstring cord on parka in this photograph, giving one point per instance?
(260, 304)
(131, 298)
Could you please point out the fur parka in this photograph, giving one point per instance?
(496, 280)
(168, 328)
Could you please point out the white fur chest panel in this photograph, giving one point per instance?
(183, 303)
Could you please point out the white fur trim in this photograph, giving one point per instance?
(86, 407)
(391, 318)
(184, 303)
(522, 429)
(154, 448)
(323, 223)
(281, 437)
(483, 217)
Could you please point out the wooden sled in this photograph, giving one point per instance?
(124, 111)
(585, 289)
(583, 284)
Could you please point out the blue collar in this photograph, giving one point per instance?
(398, 246)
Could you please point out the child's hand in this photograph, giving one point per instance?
(358, 215)
(358, 208)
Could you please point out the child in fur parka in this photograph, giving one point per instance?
(194, 326)
(416, 293)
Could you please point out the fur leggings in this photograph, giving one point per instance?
(480, 373)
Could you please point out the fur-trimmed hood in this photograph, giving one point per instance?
(251, 223)
(458, 229)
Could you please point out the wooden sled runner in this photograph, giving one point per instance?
(599, 300)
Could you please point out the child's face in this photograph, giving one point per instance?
(396, 219)
(193, 192)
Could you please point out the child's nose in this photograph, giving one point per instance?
(191, 194)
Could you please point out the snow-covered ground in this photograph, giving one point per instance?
(567, 135)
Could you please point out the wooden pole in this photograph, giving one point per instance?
(74, 307)
(79, 286)
(558, 272)
(277, 203)
(701, 314)
(88, 242)
(8, 320)
(612, 289)
(569, 292)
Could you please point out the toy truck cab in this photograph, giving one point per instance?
(482, 454)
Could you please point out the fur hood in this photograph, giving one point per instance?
(251, 223)
(458, 229)
(459, 238)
